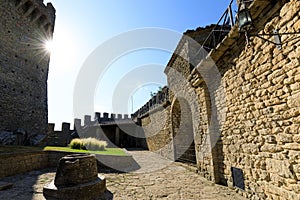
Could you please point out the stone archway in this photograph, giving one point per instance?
(182, 131)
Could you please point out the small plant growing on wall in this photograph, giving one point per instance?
(152, 94)
(88, 144)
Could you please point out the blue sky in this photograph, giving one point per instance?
(83, 25)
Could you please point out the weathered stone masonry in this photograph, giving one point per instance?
(255, 107)
(261, 130)
(24, 64)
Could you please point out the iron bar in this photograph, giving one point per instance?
(220, 30)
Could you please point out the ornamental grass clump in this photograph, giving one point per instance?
(88, 144)
(94, 144)
(76, 144)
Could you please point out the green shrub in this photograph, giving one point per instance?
(88, 144)
(76, 144)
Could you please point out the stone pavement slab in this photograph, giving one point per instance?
(174, 182)
(148, 161)
(169, 181)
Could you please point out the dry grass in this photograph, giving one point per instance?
(88, 144)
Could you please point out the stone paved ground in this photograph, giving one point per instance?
(168, 181)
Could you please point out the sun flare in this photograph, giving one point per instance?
(49, 44)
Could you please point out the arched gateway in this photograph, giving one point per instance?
(182, 131)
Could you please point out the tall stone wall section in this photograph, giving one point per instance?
(252, 105)
(262, 85)
(185, 120)
(157, 131)
(24, 63)
(192, 97)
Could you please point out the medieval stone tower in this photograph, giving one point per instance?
(24, 63)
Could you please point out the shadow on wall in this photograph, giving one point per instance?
(118, 132)
(182, 131)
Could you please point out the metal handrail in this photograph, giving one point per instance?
(212, 40)
(227, 20)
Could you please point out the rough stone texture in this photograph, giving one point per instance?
(87, 191)
(183, 126)
(172, 181)
(23, 160)
(170, 131)
(159, 138)
(76, 176)
(76, 169)
(24, 62)
(21, 137)
(262, 111)
(14, 163)
(247, 115)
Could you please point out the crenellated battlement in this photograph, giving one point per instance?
(162, 97)
(106, 121)
(37, 12)
(105, 118)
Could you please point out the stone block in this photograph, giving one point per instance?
(296, 188)
(97, 116)
(292, 146)
(76, 176)
(293, 195)
(271, 139)
(280, 167)
(77, 123)
(297, 77)
(272, 148)
(112, 116)
(281, 107)
(105, 116)
(87, 119)
(296, 138)
(66, 127)
(296, 168)
(294, 155)
(294, 101)
(284, 138)
(295, 86)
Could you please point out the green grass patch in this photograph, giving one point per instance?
(107, 151)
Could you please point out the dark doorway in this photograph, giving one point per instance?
(182, 132)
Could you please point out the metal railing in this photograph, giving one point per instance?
(221, 29)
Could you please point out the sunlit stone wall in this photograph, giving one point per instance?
(24, 64)
(260, 134)
(253, 109)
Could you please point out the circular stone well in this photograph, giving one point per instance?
(76, 178)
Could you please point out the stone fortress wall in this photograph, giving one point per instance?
(117, 129)
(245, 119)
(24, 64)
(241, 127)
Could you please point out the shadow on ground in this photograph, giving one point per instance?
(29, 186)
